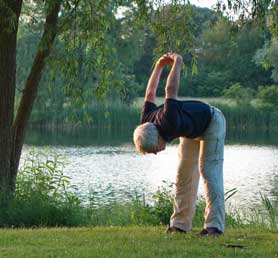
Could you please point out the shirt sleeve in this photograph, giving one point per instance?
(171, 107)
(147, 108)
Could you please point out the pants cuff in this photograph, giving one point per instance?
(180, 226)
(214, 225)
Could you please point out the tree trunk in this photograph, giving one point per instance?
(32, 83)
(8, 33)
(12, 133)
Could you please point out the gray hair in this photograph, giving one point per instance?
(145, 137)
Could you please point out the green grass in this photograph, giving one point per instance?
(134, 242)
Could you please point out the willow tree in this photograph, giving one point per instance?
(12, 129)
(264, 14)
(55, 17)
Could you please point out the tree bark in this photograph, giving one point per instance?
(31, 86)
(12, 131)
(9, 15)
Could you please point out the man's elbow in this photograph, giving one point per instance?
(170, 93)
(150, 96)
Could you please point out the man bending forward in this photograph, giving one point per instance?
(201, 131)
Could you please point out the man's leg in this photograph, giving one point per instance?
(211, 169)
(187, 181)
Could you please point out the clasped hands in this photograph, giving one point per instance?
(169, 58)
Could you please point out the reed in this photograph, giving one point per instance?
(249, 118)
(271, 210)
(119, 116)
(115, 115)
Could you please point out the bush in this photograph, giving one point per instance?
(268, 97)
(43, 196)
(240, 94)
(163, 202)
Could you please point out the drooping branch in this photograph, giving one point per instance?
(32, 82)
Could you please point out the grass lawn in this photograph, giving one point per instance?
(134, 242)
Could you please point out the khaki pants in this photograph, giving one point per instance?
(201, 156)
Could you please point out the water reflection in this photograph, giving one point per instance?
(104, 163)
(114, 137)
(252, 137)
(118, 172)
(79, 137)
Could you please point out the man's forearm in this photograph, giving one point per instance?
(173, 80)
(153, 83)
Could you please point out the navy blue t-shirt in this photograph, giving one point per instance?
(176, 118)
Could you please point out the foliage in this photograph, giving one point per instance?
(268, 97)
(43, 196)
(172, 26)
(7, 18)
(239, 94)
(89, 59)
(263, 13)
(137, 212)
(94, 54)
(268, 58)
(226, 58)
(42, 173)
(219, 50)
(134, 212)
(163, 202)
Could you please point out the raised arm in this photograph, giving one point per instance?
(173, 80)
(155, 77)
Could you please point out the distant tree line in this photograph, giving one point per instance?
(222, 53)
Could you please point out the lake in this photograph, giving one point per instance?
(109, 166)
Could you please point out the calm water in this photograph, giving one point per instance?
(114, 171)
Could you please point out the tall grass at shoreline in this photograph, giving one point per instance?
(45, 197)
(121, 116)
(116, 115)
(249, 118)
